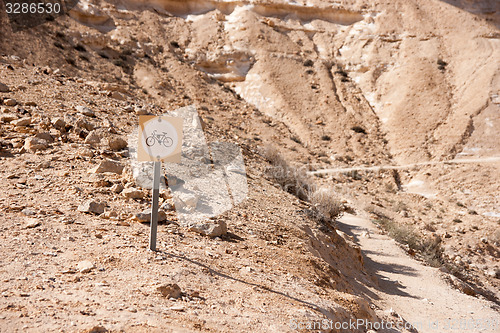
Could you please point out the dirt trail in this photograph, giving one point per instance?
(492, 159)
(416, 292)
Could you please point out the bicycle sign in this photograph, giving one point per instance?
(160, 139)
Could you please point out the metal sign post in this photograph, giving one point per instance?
(160, 139)
(154, 206)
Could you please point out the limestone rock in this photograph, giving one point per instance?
(85, 111)
(91, 206)
(145, 216)
(133, 193)
(187, 201)
(45, 136)
(170, 290)
(117, 188)
(85, 266)
(21, 122)
(462, 286)
(10, 102)
(8, 118)
(95, 137)
(34, 144)
(32, 223)
(116, 143)
(210, 229)
(108, 166)
(4, 87)
(59, 124)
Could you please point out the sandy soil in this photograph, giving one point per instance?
(397, 100)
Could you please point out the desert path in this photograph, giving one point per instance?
(492, 159)
(414, 291)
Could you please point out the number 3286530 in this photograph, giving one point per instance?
(33, 8)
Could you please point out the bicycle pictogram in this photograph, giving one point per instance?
(162, 139)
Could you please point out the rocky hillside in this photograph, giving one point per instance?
(393, 108)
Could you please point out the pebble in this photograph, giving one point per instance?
(108, 166)
(141, 111)
(45, 136)
(85, 266)
(32, 223)
(117, 188)
(145, 216)
(85, 111)
(10, 102)
(8, 118)
(21, 122)
(167, 206)
(28, 212)
(67, 220)
(59, 124)
(91, 206)
(170, 290)
(178, 308)
(4, 88)
(85, 152)
(117, 143)
(215, 229)
(133, 193)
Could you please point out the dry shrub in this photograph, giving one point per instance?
(292, 179)
(296, 181)
(429, 248)
(326, 204)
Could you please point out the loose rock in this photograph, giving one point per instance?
(108, 166)
(117, 143)
(21, 122)
(170, 290)
(117, 188)
(10, 102)
(85, 111)
(91, 206)
(133, 193)
(59, 124)
(45, 136)
(145, 216)
(211, 229)
(4, 87)
(85, 266)
(34, 144)
(32, 223)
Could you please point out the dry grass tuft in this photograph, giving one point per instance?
(296, 181)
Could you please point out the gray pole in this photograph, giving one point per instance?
(154, 206)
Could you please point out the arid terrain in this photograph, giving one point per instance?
(387, 112)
